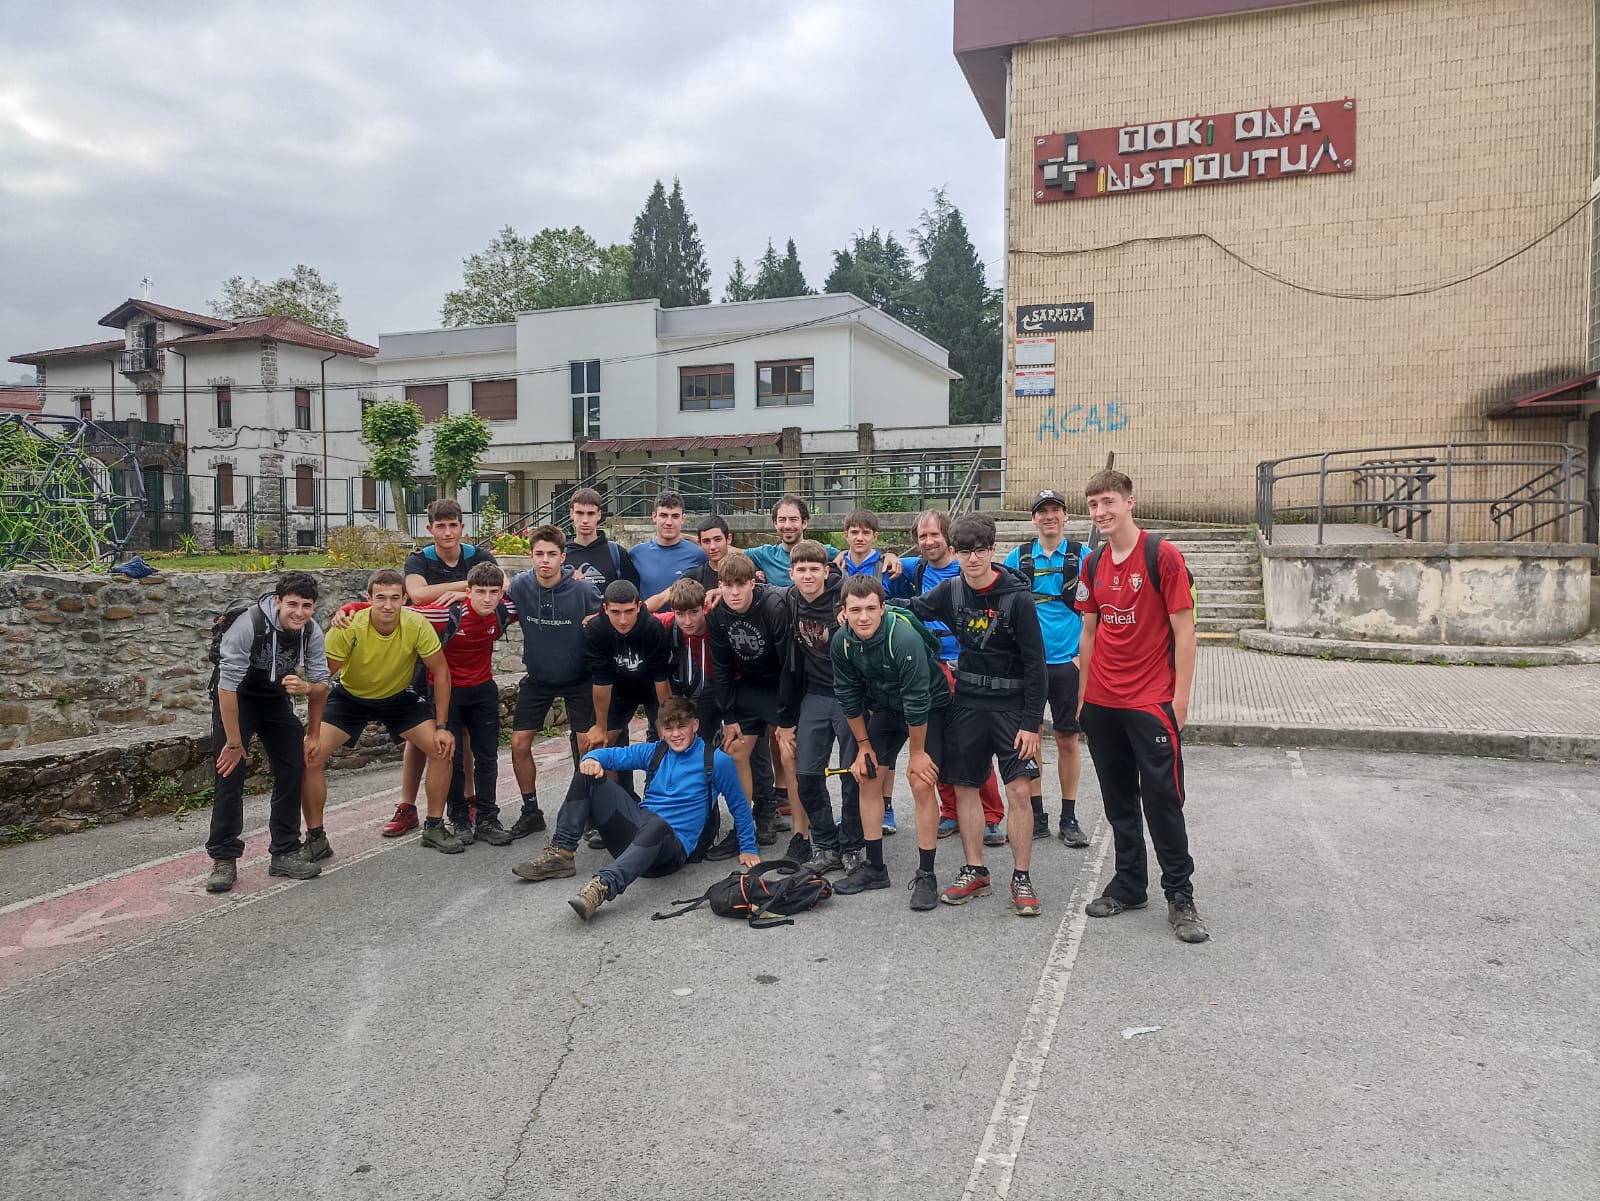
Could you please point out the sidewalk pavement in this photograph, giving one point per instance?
(1248, 697)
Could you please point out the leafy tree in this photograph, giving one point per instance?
(777, 277)
(738, 286)
(392, 431)
(552, 269)
(303, 295)
(459, 441)
(669, 263)
(956, 307)
(879, 270)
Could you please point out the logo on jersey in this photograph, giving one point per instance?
(588, 571)
(1083, 590)
(1112, 616)
(977, 626)
(1136, 581)
(816, 635)
(748, 641)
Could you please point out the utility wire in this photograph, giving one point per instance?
(1335, 293)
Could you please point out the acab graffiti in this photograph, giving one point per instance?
(1085, 419)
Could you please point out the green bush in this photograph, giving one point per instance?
(367, 546)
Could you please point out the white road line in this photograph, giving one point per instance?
(996, 1161)
(1297, 766)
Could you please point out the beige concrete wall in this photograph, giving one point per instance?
(1474, 136)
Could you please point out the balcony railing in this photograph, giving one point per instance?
(130, 433)
(143, 358)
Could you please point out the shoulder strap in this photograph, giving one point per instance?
(657, 756)
(711, 767)
(616, 557)
(1152, 558)
(458, 613)
(918, 576)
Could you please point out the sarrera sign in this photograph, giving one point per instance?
(1191, 152)
(1055, 318)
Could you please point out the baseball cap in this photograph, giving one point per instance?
(1046, 496)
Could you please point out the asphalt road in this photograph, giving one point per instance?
(1400, 1000)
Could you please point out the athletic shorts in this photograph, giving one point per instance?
(973, 737)
(889, 733)
(534, 701)
(755, 708)
(397, 714)
(1062, 689)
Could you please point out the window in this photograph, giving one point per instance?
(225, 483)
(786, 383)
(701, 388)
(152, 407)
(305, 487)
(305, 538)
(369, 492)
(586, 399)
(85, 407)
(495, 399)
(302, 408)
(497, 489)
(224, 407)
(432, 399)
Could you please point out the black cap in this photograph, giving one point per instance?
(1047, 496)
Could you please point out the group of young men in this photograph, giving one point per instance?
(755, 672)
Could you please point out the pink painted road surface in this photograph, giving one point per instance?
(82, 921)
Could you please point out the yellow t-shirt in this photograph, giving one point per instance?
(377, 667)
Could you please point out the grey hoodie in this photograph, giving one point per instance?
(552, 625)
(279, 654)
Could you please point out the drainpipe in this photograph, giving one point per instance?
(113, 363)
(187, 438)
(327, 483)
(1007, 376)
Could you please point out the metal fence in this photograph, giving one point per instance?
(1454, 491)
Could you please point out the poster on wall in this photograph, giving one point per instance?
(1035, 367)
(1186, 152)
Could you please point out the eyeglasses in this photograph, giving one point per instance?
(974, 550)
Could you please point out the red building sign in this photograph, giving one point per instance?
(1192, 152)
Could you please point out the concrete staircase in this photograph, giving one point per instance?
(1224, 560)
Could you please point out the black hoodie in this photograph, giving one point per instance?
(631, 663)
(1001, 665)
(808, 659)
(601, 561)
(748, 648)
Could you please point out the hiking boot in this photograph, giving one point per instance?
(549, 864)
(993, 835)
(1185, 922)
(799, 849)
(1041, 826)
(888, 820)
(403, 821)
(529, 821)
(490, 830)
(223, 874)
(1024, 900)
(766, 829)
(442, 838)
(823, 861)
(590, 897)
(1072, 834)
(924, 890)
(463, 832)
(969, 883)
(1109, 906)
(595, 840)
(726, 847)
(850, 860)
(948, 826)
(294, 867)
(316, 849)
(865, 876)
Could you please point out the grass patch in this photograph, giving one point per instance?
(243, 561)
(16, 835)
(169, 794)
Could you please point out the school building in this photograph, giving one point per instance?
(1244, 229)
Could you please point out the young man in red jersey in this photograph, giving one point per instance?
(1137, 655)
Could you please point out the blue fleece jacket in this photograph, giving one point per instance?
(678, 792)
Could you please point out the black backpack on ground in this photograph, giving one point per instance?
(713, 826)
(762, 902)
(221, 623)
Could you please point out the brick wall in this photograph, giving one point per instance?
(1475, 135)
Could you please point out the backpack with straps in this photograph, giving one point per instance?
(1072, 553)
(1152, 564)
(452, 626)
(713, 826)
(220, 624)
(762, 902)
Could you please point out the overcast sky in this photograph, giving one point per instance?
(383, 142)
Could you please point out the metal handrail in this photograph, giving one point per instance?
(1396, 490)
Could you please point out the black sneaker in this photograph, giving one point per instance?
(864, 877)
(924, 891)
(766, 829)
(1072, 834)
(490, 830)
(1041, 826)
(726, 847)
(531, 821)
(799, 849)
(463, 832)
(596, 841)
(223, 874)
